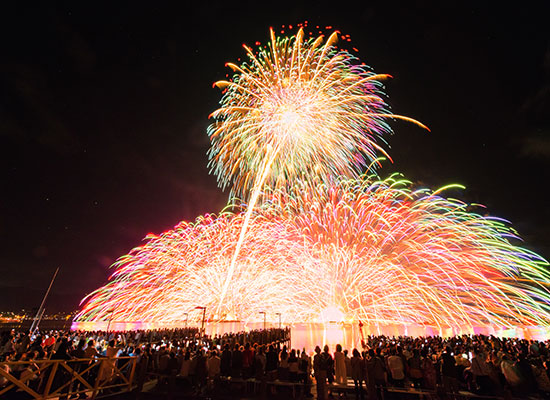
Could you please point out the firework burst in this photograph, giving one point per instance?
(297, 125)
(400, 256)
(298, 109)
(166, 277)
(374, 250)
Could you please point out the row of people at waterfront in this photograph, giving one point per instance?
(482, 364)
(479, 363)
(21, 354)
(46, 344)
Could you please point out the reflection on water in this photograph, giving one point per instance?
(309, 335)
(302, 335)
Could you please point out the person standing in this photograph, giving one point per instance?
(91, 351)
(448, 371)
(271, 363)
(185, 365)
(213, 366)
(320, 370)
(259, 362)
(248, 359)
(340, 366)
(225, 367)
(415, 369)
(357, 373)
(348, 364)
(397, 369)
(293, 366)
(237, 361)
(480, 371)
(524, 368)
(429, 373)
(283, 365)
(201, 370)
(329, 363)
(380, 374)
(511, 374)
(304, 372)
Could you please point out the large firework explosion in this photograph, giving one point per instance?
(374, 250)
(299, 109)
(313, 239)
(400, 256)
(167, 276)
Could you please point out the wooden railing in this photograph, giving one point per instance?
(45, 379)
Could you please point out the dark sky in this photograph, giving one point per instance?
(104, 109)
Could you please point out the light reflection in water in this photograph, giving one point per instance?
(309, 335)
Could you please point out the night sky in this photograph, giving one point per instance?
(104, 109)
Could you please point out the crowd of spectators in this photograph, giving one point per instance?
(485, 365)
(160, 352)
(477, 363)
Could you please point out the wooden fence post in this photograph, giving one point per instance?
(132, 372)
(50, 379)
